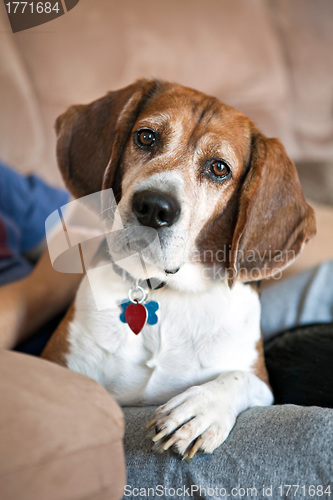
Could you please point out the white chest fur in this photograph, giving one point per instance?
(198, 336)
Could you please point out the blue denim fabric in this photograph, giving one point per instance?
(25, 203)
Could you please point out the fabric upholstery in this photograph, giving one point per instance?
(301, 299)
(265, 57)
(60, 434)
(269, 446)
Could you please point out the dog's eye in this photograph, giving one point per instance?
(219, 169)
(145, 138)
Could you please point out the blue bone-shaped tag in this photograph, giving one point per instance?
(152, 306)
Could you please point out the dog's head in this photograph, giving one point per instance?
(219, 194)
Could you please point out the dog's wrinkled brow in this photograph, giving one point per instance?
(204, 115)
(208, 111)
(158, 120)
(210, 145)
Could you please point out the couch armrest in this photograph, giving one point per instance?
(60, 433)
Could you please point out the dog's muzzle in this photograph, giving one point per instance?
(155, 209)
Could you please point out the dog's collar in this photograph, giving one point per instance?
(151, 283)
(136, 310)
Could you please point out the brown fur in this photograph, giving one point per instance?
(266, 221)
(259, 367)
(273, 214)
(58, 345)
(89, 134)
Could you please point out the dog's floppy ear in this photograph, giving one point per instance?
(91, 137)
(274, 221)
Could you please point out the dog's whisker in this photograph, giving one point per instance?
(108, 209)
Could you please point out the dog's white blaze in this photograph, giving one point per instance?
(198, 337)
(169, 182)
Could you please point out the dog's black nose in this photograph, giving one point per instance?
(155, 209)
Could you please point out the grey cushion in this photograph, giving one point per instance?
(272, 446)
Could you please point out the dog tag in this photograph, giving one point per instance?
(136, 316)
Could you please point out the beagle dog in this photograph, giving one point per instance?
(227, 208)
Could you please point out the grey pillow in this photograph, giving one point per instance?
(269, 447)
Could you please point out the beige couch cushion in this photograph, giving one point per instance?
(21, 131)
(306, 32)
(214, 46)
(60, 434)
(269, 58)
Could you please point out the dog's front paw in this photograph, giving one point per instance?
(193, 421)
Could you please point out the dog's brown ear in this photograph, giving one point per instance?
(274, 221)
(91, 137)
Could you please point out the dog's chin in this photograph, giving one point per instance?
(143, 265)
(140, 256)
(140, 244)
(139, 251)
(188, 278)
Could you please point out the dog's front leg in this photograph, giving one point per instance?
(203, 416)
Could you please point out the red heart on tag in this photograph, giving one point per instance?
(136, 316)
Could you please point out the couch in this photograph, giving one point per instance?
(269, 58)
(60, 434)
